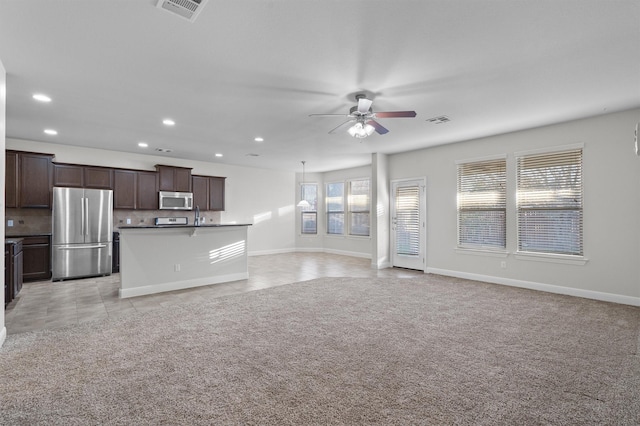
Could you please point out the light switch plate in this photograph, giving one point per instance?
(10, 222)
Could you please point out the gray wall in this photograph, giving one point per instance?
(611, 209)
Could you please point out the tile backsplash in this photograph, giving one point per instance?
(27, 222)
(38, 221)
(147, 217)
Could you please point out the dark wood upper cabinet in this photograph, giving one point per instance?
(68, 175)
(208, 192)
(77, 176)
(30, 177)
(98, 177)
(147, 191)
(172, 178)
(34, 180)
(11, 180)
(216, 193)
(125, 184)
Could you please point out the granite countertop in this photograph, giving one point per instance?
(183, 226)
(10, 236)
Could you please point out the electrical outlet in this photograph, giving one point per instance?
(10, 222)
(128, 221)
(176, 267)
(503, 264)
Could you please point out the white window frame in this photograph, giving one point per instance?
(347, 211)
(335, 212)
(351, 213)
(311, 210)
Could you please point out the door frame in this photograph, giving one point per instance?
(422, 182)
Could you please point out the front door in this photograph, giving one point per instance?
(408, 224)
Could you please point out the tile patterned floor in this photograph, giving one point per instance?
(45, 304)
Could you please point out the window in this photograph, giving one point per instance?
(358, 202)
(359, 207)
(482, 204)
(335, 208)
(309, 215)
(549, 202)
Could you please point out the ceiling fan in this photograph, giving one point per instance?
(363, 118)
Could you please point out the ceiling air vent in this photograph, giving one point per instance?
(438, 120)
(187, 9)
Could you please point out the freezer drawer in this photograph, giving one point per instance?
(81, 260)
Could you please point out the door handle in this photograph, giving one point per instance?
(86, 216)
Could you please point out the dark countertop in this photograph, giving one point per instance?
(12, 240)
(11, 236)
(182, 226)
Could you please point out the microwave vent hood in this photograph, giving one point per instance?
(187, 9)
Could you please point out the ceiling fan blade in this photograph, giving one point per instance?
(337, 127)
(363, 105)
(379, 128)
(395, 114)
(328, 115)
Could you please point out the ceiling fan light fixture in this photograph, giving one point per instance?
(361, 130)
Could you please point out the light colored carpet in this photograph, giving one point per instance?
(431, 350)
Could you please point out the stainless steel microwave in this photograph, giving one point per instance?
(175, 200)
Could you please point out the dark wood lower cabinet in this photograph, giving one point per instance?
(36, 257)
(13, 270)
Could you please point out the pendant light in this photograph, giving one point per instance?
(303, 203)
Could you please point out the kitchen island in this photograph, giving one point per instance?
(155, 259)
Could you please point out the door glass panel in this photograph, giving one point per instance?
(408, 220)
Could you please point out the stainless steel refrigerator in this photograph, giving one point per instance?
(81, 232)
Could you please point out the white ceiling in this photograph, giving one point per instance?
(247, 68)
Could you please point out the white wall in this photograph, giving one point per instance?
(258, 196)
(611, 208)
(3, 130)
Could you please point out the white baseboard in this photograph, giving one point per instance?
(267, 252)
(549, 288)
(349, 253)
(180, 285)
(381, 265)
(3, 336)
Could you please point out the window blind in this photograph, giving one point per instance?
(549, 202)
(408, 220)
(482, 204)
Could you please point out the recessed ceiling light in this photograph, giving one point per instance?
(41, 97)
(50, 132)
(259, 139)
(168, 122)
(218, 154)
(143, 144)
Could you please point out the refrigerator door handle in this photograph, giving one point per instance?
(86, 216)
(82, 216)
(75, 247)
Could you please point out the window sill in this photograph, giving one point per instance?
(552, 258)
(355, 237)
(482, 252)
